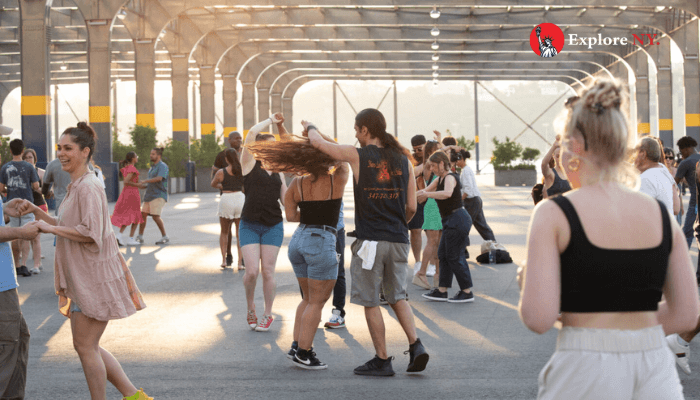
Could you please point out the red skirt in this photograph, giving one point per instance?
(127, 211)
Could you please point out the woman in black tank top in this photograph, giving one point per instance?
(554, 180)
(602, 255)
(313, 200)
(456, 223)
(230, 181)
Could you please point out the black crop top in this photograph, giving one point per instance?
(594, 279)
(319, 212)
(232, 183)
(448, 205)
(262, 192)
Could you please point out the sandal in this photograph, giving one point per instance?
(421, 281)
(241, 268)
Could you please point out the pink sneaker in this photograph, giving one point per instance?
(264, 324)
(252, 319)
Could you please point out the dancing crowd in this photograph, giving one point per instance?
(626, 298)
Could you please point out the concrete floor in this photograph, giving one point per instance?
(192, 341)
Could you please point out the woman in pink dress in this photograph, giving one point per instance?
(127, 211)
(93, 282)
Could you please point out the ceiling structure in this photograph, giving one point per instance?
(271, 48)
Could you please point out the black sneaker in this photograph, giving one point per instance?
(418, 357)
(307, 359)
(24, 271)
(462, 297)
(382, 300)
(229, 259)
(376, 367)
(293, 351)
(436, 295)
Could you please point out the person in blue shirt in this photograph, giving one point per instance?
(156, 195)
(14, 333)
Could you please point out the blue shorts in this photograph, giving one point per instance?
(312, 253)
(256, 233)
(74, 306)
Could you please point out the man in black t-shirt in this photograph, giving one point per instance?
(385, 201)
(686, 169)
(234, 141)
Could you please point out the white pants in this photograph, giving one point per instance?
(601, 364)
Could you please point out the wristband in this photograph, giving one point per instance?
(309, 127)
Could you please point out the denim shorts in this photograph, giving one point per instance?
(312, 253)
(256, 233)
(74, 306)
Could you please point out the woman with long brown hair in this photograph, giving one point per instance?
(29, 156)
(92, 280)
(127, 211)
(313, 199)
(230, 181)
(432, 223)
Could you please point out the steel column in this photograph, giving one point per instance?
(248, 106)
(263, 103)
(145, 80)
(641, 71)
(230, 99)
(180, 82)
(663, 63)
(207, 93)
(35, 78)
(99, 57)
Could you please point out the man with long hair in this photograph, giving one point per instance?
(385, 201)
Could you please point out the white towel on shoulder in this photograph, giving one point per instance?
(367, 252)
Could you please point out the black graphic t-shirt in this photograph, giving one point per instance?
(18, 177)
(380, 195)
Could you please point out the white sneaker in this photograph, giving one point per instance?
(132, 242)
(431, 270)
(416, 268)
(120, 239)
(682, 352)
(35, 270)
(336, 321)
(139, 239)
(164, 240)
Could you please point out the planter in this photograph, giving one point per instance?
(203, 180)
(516, 177)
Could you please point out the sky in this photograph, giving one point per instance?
(422, 108)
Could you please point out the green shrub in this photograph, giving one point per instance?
(203, 151)
(466, 144)
(5, 152)
(175, 155)
(119, 150)
(144, 140)
(504, 153)
(529, 155)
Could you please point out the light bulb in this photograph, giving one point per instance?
(435, 13)
(435, 66)
(435, 45)
(435, 31)
(435, 74)
(122, 14)
(64, 67)
(436, 57)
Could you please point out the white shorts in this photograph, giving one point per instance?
(231, 205)
(610, 364)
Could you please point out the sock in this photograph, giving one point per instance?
(295, 345)
(681, 341)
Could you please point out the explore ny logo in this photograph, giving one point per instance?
(547, 40)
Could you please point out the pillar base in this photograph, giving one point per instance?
(111, 174)
(190, 179)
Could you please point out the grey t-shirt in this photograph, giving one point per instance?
(686, 169)
(60, 179)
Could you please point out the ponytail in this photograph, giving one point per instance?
(375, 123)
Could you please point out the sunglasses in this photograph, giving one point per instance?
(669, 157)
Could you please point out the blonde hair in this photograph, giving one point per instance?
(600, 120)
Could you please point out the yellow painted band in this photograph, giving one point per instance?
(692, 119)
(36, 105)
(665, 124)
(245, 133)
(100, 114)
(643, 127)
(207, 129)
(181, 125)
(146, 120)
(229, 130)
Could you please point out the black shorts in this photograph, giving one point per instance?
(417, 221)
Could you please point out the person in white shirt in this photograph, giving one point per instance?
(472, 198)
(656, 181)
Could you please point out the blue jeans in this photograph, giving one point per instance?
(452, 250)
(339, 290)
(312, 253)
(688, 224)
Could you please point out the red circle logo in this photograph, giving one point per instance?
(547, 40)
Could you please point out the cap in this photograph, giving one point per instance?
(5, 130)
(417, 140)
